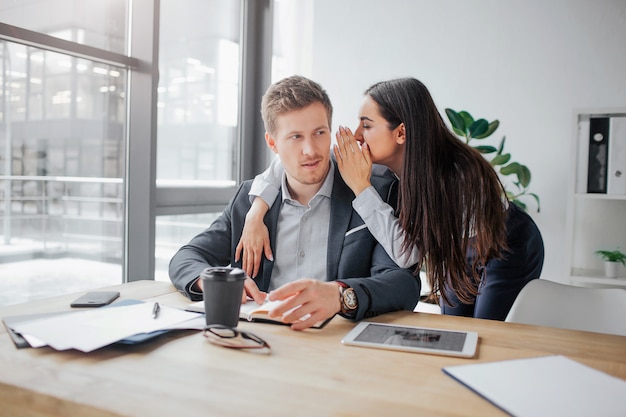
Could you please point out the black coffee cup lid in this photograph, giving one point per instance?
(223, 272)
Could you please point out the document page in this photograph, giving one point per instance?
(545, 386)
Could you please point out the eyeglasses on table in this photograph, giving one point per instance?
(233, 338)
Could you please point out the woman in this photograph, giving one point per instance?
(452, 215)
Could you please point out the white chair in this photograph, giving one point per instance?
(548, 303)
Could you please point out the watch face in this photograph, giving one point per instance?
(349, 299)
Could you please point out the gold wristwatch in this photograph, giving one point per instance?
(347, 298)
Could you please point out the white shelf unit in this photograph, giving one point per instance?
(596, 220)
(588, 279)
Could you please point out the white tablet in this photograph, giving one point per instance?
(413, 339)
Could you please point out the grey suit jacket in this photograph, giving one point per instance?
(354, 256)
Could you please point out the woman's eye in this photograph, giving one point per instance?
(366, 126)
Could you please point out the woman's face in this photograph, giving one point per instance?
(386, 145)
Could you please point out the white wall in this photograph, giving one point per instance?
(528, 63)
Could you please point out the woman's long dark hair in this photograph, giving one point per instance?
(451, 205)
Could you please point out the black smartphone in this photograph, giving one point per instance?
(95, 299)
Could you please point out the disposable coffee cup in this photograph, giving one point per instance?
(222, 291)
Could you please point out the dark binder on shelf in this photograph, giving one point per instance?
(616, 167)
(598, 154)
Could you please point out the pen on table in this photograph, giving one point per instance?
(156, 310)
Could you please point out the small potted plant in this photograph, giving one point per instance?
(612, 259)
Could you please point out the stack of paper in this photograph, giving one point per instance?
(92, 329)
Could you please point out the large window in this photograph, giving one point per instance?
(62, 157)
(214, 63)
(198, 92)
(62, 135)
(124, 130)
(198, 112)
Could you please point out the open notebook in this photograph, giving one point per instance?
(251, 311)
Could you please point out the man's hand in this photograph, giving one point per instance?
(319, 300)
(354, 162)
(254, 239)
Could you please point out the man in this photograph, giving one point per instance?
(326, 260)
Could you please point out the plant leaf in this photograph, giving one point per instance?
(512, 168)
(492, 128)
(485, 149)
(461, 133)
(524, 176)
(612, 255)
(478, 128)
(501, 159)
(457, 122)
(464, 125)
(536, 199)
(501, 147)
(467, 118)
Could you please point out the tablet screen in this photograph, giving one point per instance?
(410, 338)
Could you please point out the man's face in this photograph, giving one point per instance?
(302, 141)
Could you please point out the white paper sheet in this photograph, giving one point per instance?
(93, 329)
(545, 386)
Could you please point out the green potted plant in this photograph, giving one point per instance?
(612, 259)
(469, 129)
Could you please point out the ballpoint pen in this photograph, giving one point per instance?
(156, 310)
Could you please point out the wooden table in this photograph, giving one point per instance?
(308, 373)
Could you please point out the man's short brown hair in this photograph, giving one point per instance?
(292, 93)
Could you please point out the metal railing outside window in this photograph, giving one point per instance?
(81, 109)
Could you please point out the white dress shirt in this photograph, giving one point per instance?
(302, 236)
